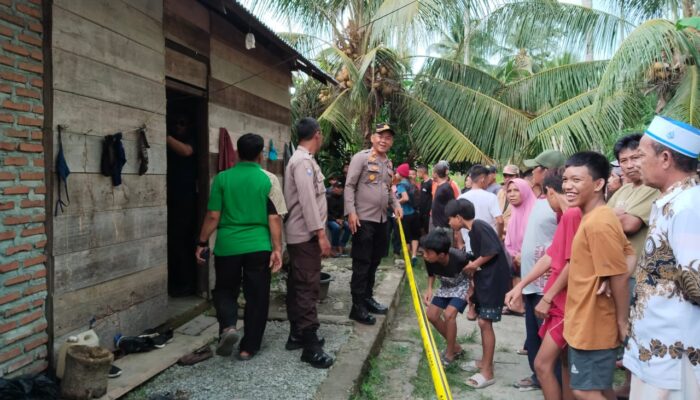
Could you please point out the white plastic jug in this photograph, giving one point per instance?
(87, 338)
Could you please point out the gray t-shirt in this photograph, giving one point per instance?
(538, 237)
(493, 188)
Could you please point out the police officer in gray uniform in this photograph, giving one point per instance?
(367, 198)
(305, 229)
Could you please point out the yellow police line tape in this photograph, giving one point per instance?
(442, 389)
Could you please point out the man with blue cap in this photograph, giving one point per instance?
(663, 352)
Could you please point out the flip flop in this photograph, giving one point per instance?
(469, 366)
(445, 361)
(460, 354)
(226, 342)
(481, 381)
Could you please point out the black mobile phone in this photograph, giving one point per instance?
(206, 254)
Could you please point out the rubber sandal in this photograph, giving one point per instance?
(445, 361)
(460, 354)
(481, 381)
(226, 342)
(521, 352)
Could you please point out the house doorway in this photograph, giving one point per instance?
(187, 190)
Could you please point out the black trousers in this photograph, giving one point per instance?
(369, 246)
(303, 286)
(253, 271)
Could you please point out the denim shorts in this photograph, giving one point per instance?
(456, 302)
(592, 369)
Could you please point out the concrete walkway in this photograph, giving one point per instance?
(401, 371)
(275, 373)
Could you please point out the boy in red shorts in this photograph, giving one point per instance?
(551, 307)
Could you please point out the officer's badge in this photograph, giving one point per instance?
(372, 177)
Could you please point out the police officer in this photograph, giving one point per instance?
(305, 229)
(367, 198)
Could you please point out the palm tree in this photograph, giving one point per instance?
(364, 44)
(572, 106)
(462, 113)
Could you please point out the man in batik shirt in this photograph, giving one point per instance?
(663, 352)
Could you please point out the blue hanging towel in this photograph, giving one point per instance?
(272, 155)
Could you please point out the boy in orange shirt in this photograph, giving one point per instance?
(595, 325)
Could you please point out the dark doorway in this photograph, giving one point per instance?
(187, 190)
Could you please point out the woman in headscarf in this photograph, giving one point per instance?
(522, 199)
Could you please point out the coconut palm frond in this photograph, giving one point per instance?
(308, 45)
(655, 41)
(317, 17)
(544, 90)
(560, 112)
(590, 127)
(462, 74)
(335, 116)
(685, 104)
(435, 137)
(491, 125)
(519, 23)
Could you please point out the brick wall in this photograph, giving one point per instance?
(23, 325)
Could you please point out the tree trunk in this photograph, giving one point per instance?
(688, 8)
(467, 34)
(589, 36)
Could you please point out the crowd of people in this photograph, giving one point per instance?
(599, 258)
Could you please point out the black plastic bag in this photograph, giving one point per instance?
(39, 387)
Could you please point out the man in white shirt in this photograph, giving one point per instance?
(485, 203)
(663, 351)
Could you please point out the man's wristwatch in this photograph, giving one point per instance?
(203, 244)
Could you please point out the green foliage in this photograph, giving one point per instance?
(544, 90)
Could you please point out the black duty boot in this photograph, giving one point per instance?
(360, 314)
(294, 342)
(375, 307)
(313, 351)
(317, 358)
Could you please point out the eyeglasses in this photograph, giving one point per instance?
(510, 175)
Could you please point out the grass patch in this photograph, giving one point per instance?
(470, 338)
(374, 386)
(503, 349)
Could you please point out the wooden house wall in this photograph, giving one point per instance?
(109, 246)
(248, 90)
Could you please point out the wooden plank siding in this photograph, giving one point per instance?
(103, 228)
(185, 69)
(187, 23)
(109, 246)
(107, 300)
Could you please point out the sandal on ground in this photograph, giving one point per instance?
(228, 339)
(526, 384)
(446, 361)
(469, 366)
(521, 352)
(460, 354)
(241, 357)
(478, 381)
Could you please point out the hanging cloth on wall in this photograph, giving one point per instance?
(62, 171)
(272, 155)
(113, 158)
(228, 157)
(143, 152)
